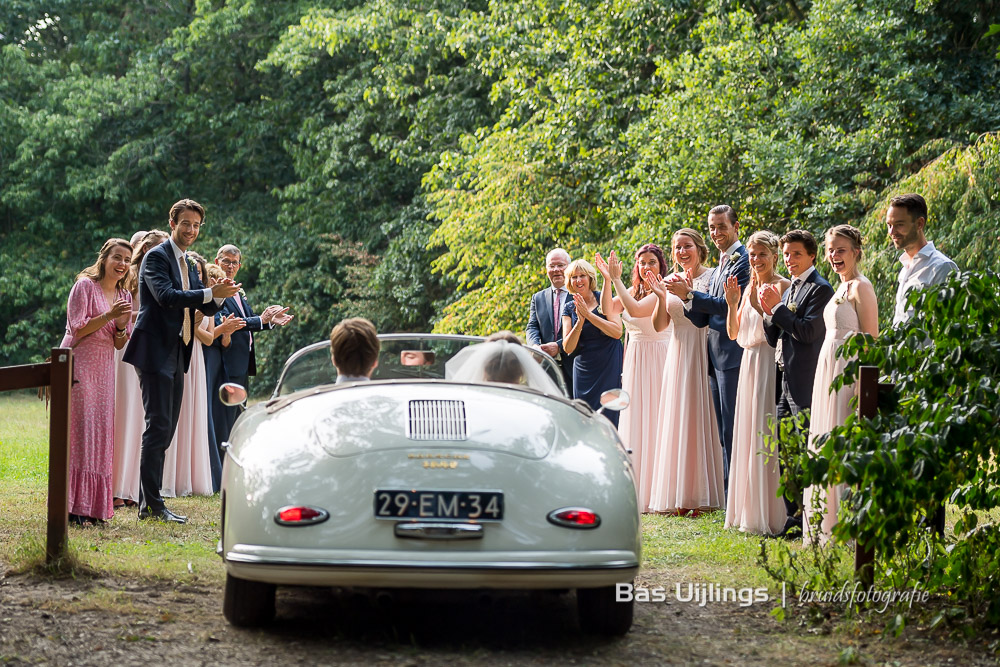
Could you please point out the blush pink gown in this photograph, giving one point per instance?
(186, 469)
(130, 422)
(93, 397)
(687, 464)
(829, 408)
(753, 505)
(642, 378)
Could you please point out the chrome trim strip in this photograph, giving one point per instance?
(439, 531)
(431, 565)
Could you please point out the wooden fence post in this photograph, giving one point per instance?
(868, 388)
(61, 380)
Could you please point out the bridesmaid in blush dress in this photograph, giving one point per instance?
(687, 465)
(98, 322)
(853, 309)
(594, 336)
(645, 357)
(752, 504)
(186, 466)
(130, 418)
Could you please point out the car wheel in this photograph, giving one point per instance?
(601, 614)
(247, 603)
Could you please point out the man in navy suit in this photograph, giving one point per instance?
(169, 293)
(724, 354)
(544, 330)
(239, 357)
(796, 319)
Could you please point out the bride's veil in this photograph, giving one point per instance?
(499, 361)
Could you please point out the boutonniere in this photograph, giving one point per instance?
(242, 293)
(735, 256)
(841, 296)
(191, 263)
(793, 306)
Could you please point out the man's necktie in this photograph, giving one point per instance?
(794, 289)
(186, 283)
(556, 318)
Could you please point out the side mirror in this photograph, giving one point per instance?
(232, 394)
(614, 399)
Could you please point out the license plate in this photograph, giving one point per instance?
(440, 505)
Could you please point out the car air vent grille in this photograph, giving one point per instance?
(436, 420)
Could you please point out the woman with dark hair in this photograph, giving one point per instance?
(98, 322)
(645, 357)
(130, 418)
(186, 466)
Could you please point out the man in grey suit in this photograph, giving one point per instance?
(544, 330)
(796, 319)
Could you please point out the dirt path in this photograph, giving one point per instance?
(110, 622)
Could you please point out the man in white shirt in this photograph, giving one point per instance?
(923, 264)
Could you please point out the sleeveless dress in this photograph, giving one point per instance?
(829, 408)
(130, 422)
(186, 467)
(642, 378)
(91, 429)
(752, 504)
(687, 464)
(597, 365)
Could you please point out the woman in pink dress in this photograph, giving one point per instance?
(645, 357)
(98, 321)
(687, 464)
(186, 467)
(852, 309)
(752, 504)
(130, 418)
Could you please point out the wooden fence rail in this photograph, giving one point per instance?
(57, 374)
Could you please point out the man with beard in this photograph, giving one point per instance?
(923, 264)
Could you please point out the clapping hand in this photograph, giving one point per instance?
(656, 284)
(276, 315)
(229, 324)
(754, 289)
(582, 311)
(769, 298)
(601, 264)
(681, 285)
(732, 289)
(614, 266)
(121, 312)
(224, 289)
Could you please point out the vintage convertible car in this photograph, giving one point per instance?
(431, 476)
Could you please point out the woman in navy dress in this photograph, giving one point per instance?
(595, 337)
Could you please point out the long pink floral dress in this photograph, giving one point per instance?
(91, 429)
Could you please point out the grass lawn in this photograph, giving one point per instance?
(692, 550)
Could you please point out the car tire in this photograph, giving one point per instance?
(247, 603)
(601, 614)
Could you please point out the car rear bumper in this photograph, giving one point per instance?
(527, 570)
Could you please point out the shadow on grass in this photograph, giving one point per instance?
(29, 558)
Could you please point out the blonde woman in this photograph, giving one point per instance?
(594, 336)
(853, 309)
(752, 504)
(687, 465)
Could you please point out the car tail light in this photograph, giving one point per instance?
(575, 517)
(300, 515)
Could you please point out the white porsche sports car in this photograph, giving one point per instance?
(433, 475)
